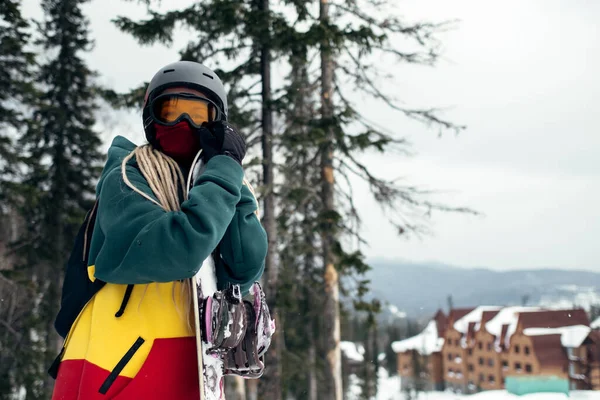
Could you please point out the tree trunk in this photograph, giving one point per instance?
(312, 371)
(252, 389)
(270, 384)
(54, 269)
(370, 384)
(309, 265)
(240, 388)
(331, 317)
(53, 341)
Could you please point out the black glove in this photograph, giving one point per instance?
(218, 137)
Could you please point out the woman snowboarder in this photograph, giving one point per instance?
(154, 228)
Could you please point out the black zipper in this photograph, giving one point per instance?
(120, 365)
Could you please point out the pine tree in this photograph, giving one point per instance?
(16, 64)
(300, 292)
(15, 80)
(61, 151)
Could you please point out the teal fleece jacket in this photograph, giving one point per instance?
(135, 241)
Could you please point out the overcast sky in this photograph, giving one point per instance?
(522, 75)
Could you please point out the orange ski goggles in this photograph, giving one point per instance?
(172, 108)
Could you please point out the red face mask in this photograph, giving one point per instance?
(179, 142)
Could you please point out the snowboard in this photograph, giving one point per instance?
(204, 285)
(210, 329)
(210, 366)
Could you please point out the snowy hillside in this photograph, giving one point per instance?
(420, 289)
(571, 295)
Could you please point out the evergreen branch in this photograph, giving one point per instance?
(429, 58)
(348, 194)
(387, 195)
(385, 136)
(352, 229)
(10, 328)
(193, 52)
(253, 141)
(145, 2)
(426, 116)
(156, 29)
(133, 99)
(421, 32)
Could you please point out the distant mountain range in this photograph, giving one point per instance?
(419, 289)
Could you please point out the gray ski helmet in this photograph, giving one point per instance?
(188, 74)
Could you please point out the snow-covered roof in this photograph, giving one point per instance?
(426, 342)
(462, 325)
(353, 351)
(507, 316)
(570, 336)
(396, 312)
(596, 323)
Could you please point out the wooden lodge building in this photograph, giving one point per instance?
(477, 349)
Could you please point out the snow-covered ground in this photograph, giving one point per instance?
(388, 386)
(389, 389)
(354, 351)
(502, 395)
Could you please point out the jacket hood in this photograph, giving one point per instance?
(119, 149)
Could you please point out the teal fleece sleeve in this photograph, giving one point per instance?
(143, 243)
(244, 246)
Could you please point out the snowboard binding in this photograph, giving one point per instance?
(224, 320)
(247, 359)
(238, 331)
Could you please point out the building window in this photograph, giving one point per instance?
(480, 360)
(526, 350)
(471, 367)
(518, 366)
(489, 346)
(505, 364)
(481, 378)
(528, 368)
(492, 379)
(491, 362)
(470, 352)
(449, 356)
(480, 346)
(517, 349)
